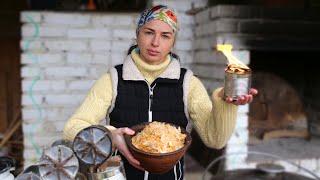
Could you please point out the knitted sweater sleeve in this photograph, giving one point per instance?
(214, 119)
(93, 109)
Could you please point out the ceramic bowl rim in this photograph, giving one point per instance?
(187, 143)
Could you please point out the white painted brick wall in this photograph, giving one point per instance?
(64, 53)
(123, 20)
(28, 71)
(32, 45)
(64, 99)
(44, 31)
(203, 17)
(101, 46)
(68, 19)
(44, 85)
(205, 71)
(27, 100)
(66, 45)
(124, 33)
(79, 58)
(102, 58)
(62, 71)
(89, 32)
(29, 16)
(183, 45)
(42, 59)
(80, 84)
(210, 64)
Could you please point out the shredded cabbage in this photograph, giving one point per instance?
(159, 137)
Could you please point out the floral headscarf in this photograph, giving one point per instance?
(159, 12)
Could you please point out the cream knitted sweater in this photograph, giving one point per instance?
(214, 119)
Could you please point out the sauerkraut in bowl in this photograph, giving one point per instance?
(158, 146)
(159, 137)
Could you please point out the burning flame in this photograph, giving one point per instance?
(234, 65)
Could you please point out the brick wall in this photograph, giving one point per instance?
(249, 28)
(63, 53)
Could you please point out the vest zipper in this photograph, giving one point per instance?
(150, 102)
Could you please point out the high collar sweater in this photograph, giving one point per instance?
(149, 72)
(213, 119)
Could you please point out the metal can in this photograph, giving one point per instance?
(236, 85)
(110, 173)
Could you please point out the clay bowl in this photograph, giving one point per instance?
(156, 163)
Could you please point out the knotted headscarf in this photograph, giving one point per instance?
(159, 12)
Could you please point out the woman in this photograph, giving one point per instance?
(151, 85)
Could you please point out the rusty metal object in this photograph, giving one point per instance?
(28, 176)
(58, 162)
(93, 145)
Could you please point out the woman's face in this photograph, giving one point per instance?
(155, 40)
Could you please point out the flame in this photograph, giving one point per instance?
(234, 64)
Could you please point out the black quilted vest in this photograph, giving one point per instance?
(132, 107)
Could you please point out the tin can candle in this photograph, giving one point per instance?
(236, 84)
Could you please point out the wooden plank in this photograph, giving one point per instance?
(10, 81)
(9, 133)
(3, 102)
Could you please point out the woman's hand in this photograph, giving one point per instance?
(242, 100)
(120, 144)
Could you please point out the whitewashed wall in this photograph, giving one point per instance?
(63, 53)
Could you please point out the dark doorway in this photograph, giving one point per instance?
(285, 113)
(10, 81)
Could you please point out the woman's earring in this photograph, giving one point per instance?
(171, 56)
(137, 49)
